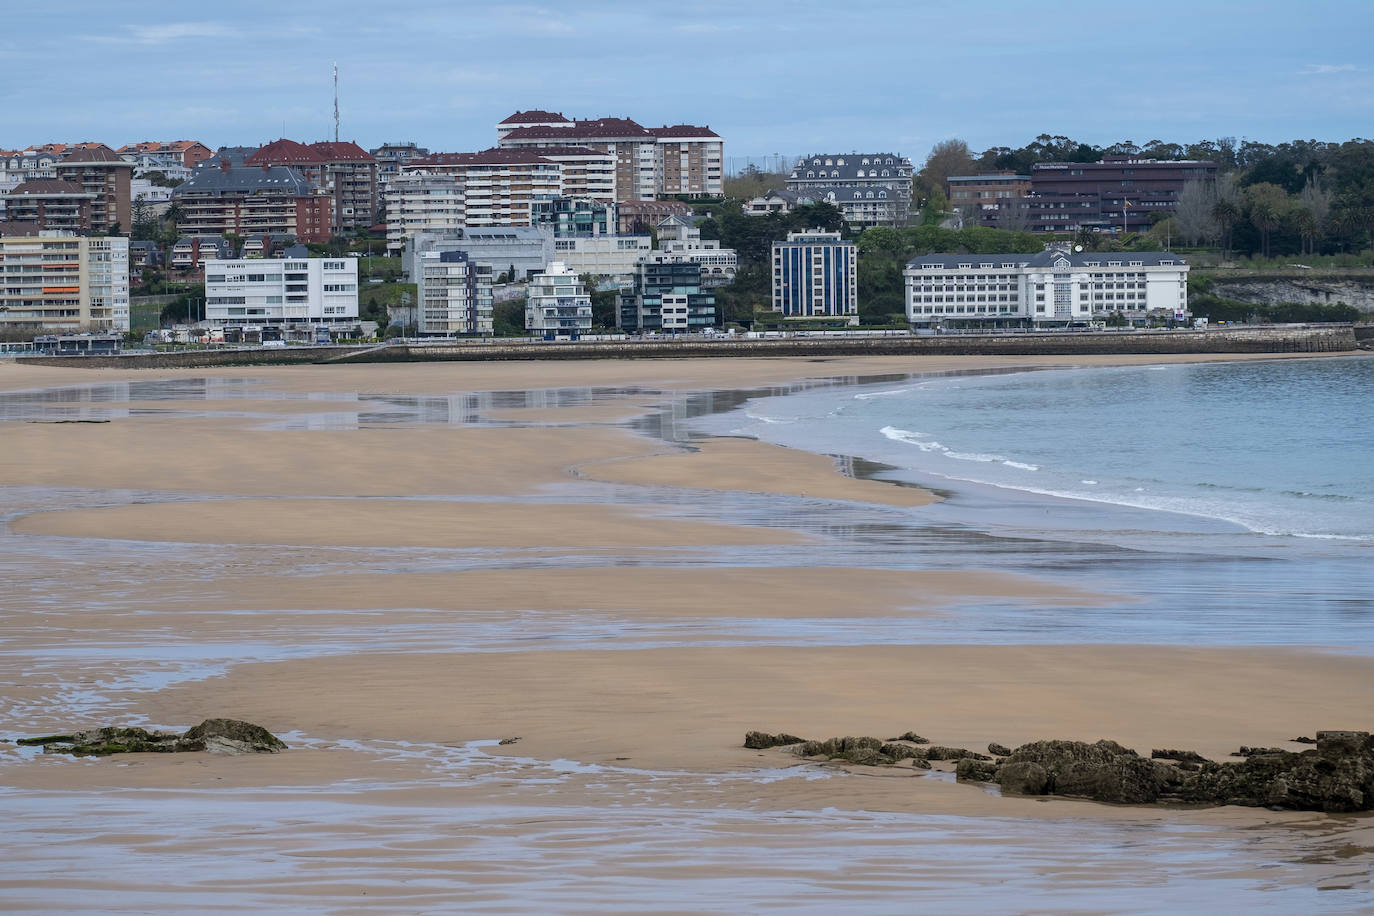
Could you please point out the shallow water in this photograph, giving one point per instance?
(616, 845)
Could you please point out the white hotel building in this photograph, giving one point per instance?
(283, 291)
(1046, 289)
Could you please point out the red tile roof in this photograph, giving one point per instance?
(683, 130)
(600, 129)
(285, 152)
(98, 152)
(485, 157)
(342, 151)
(46, 186)
(533, 116)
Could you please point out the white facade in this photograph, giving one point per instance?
(602, 255)
(454, 294)
(677, 236)
(1047, 289)
(417, 202)
(557, 302)
(64, 283)
(281, 291)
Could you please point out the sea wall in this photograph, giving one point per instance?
(1274, 339)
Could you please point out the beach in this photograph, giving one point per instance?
(396, 567)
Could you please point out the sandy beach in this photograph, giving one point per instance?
(385, 590)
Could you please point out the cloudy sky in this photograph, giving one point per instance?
(770, 76)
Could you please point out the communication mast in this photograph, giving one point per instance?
(336, 101)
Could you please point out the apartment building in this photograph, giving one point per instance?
(19, 166)
(293, 290)
(161, 155)
(649, 161)
(1055, 287)
(500, 186)
(679, 236)
(346, 171)
(421, 202)
(603, 255)
(666, 296)
(638, 216)
(688, 160)
(985, 193)
(516, 251)
(50, 204)
(1118, 192)
(576, 216)
(557, 303)
(100, 172)
(871, 189)
(815, 275)
(454, 294)
(190, 253)
(64, 283)
(249, 200)
(391, 157)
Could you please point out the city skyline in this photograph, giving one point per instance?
(771, 79)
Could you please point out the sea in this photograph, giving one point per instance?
(1235, 497)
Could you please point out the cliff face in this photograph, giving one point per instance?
(1355, 291)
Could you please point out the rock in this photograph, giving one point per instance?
(1023, 777)
(902, 752)
(234, 736)
(864, 756)
(936, 752)
(1246, 751)
(222, 736)
(972, 770)
(1301, 740)
(1337, 777)
(761, 740)
(1181, 756)
(912, 737)
(1104, 771)
(1332, 743)
(508, 741)
(999, 750)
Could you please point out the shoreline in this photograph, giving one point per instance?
(564, 577)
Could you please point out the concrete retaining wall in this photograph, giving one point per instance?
(1282, 339)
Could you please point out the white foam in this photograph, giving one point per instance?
(1022, 465)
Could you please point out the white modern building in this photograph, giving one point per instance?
(454, 294)
(679, 236)
(281, 291)
(1050, 288)
(557, 303)
(59, 282)
(816, 275)
(603, 255)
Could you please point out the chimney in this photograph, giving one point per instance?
(224, 164)
(266, 168)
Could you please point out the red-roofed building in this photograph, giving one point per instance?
(100, 172)
(682, 159)
(346, 170)
(499, 185)
(533, 118)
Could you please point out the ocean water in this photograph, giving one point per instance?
(1280, 449)
(1232, 502)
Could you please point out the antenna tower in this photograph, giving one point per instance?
(336, 101)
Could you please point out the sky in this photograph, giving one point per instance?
(771, 77)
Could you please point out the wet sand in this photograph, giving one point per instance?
(249, 514)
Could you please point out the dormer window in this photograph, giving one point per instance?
(1061, 264)
(885, 173)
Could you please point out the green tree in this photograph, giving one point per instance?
(1265, 206)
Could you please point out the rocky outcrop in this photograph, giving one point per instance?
(1336, 776)
(217, 736)
(763, 740)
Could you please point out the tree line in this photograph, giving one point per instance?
(1293, 198)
